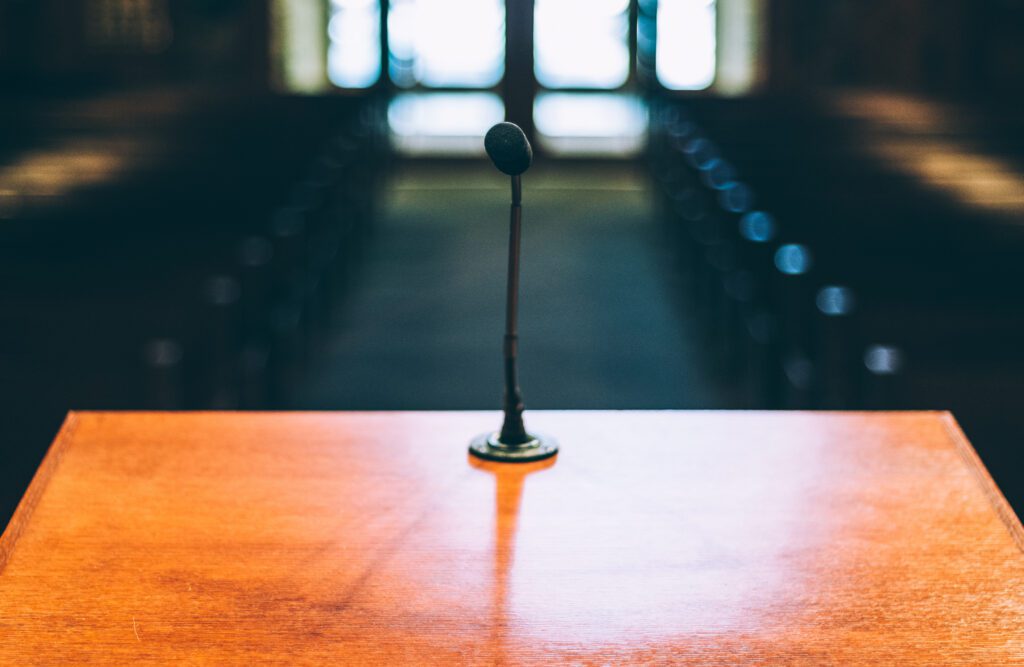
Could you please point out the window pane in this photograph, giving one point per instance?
(740, 25)
(581, 43)
(443, 123)
(590, 123)
(685, 57)
(353, 57)
(298, 34)
(447, 43)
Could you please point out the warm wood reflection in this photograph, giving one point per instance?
(652, 538)
(509, 480)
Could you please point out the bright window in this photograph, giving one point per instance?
(298, 46)
(685, 51)
(590, 123)
(443, 123)
(581, 43)
(578, 44)
(447, 43)
(353, 55)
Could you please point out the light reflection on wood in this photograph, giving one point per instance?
(509, 480)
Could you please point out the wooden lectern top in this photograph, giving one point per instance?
(372, 538)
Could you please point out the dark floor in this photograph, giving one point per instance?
(599, 325)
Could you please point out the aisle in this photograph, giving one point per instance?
(599, 327)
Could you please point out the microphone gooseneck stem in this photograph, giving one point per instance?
(513, 431)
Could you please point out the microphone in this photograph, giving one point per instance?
(510, 152)
(508, 148)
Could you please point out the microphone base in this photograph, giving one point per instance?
(487, 446)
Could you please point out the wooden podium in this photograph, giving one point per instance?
(372, 538)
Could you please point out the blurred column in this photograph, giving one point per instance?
(520, 88)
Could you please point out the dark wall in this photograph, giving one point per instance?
(946, 47)
(91, 40)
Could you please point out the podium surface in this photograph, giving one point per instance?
(373, 538)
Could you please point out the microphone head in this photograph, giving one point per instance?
(508, 148)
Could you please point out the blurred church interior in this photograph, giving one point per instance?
(735, 204)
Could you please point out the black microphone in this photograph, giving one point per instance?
(510, 152)
(508, 148)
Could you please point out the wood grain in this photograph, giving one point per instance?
(372, 538)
